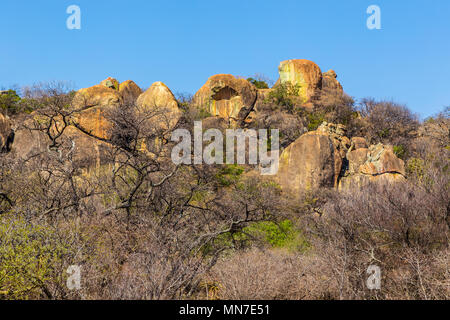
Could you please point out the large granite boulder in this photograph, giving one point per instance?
(302, 73)
(225, 96)
(159, 103)
(91, 106)
(327, 158)
(130, 91)
(96, 96)
(310, 162)
(381, 159)
(110, 83)
(86, 151)
(378, 164)
(94, 121)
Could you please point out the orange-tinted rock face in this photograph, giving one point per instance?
(381, 159)
(302, 73)
(357, 158)
(130, 91)
(310, 162)
(96, 96)
(93, 121)
(92, 105)
(6, 134)
(378, 163)
(87, 151)
(317, 158)
(225, 96)
(361, 180)
(28, 143)
(110, 83)
(160, 102)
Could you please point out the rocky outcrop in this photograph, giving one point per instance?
(86, 152)
(6, 134)
(96, 96)
(160, 102)
(380, 160)
(302, 73)
(110, 83)
(330, 83)
(378, 163)
(87, 125)
(225, 96)
(310, 162)
(327, 158)
(237, 100)
(28, 143)
(130, 91)
(91, 106)
(94, 121)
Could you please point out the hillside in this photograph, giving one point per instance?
(89, 178)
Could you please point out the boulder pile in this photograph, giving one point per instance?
(325, 157)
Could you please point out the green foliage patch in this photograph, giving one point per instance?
(28, 257)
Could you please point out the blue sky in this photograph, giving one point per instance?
(182, 43)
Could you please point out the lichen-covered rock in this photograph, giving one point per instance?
(337, 133)
(327, 158)
(160, 102)
(130, 91)
(302, 73)
(96, 96)
(378, 164)
(110, 83)
(6, 134)
(88, 152)
(381, 159)
(225, 96)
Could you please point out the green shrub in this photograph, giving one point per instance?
(9, 102)
(285, 95)
(314, 120)
(258, 83)
(400, 151)
(416, 168)
(278, 235)
(28, 258)
(229, 174)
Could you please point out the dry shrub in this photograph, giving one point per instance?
(273, 274)
(403, 228)
(388, 122)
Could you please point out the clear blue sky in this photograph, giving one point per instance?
(182, 43)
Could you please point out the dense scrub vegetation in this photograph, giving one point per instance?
(142, 228)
